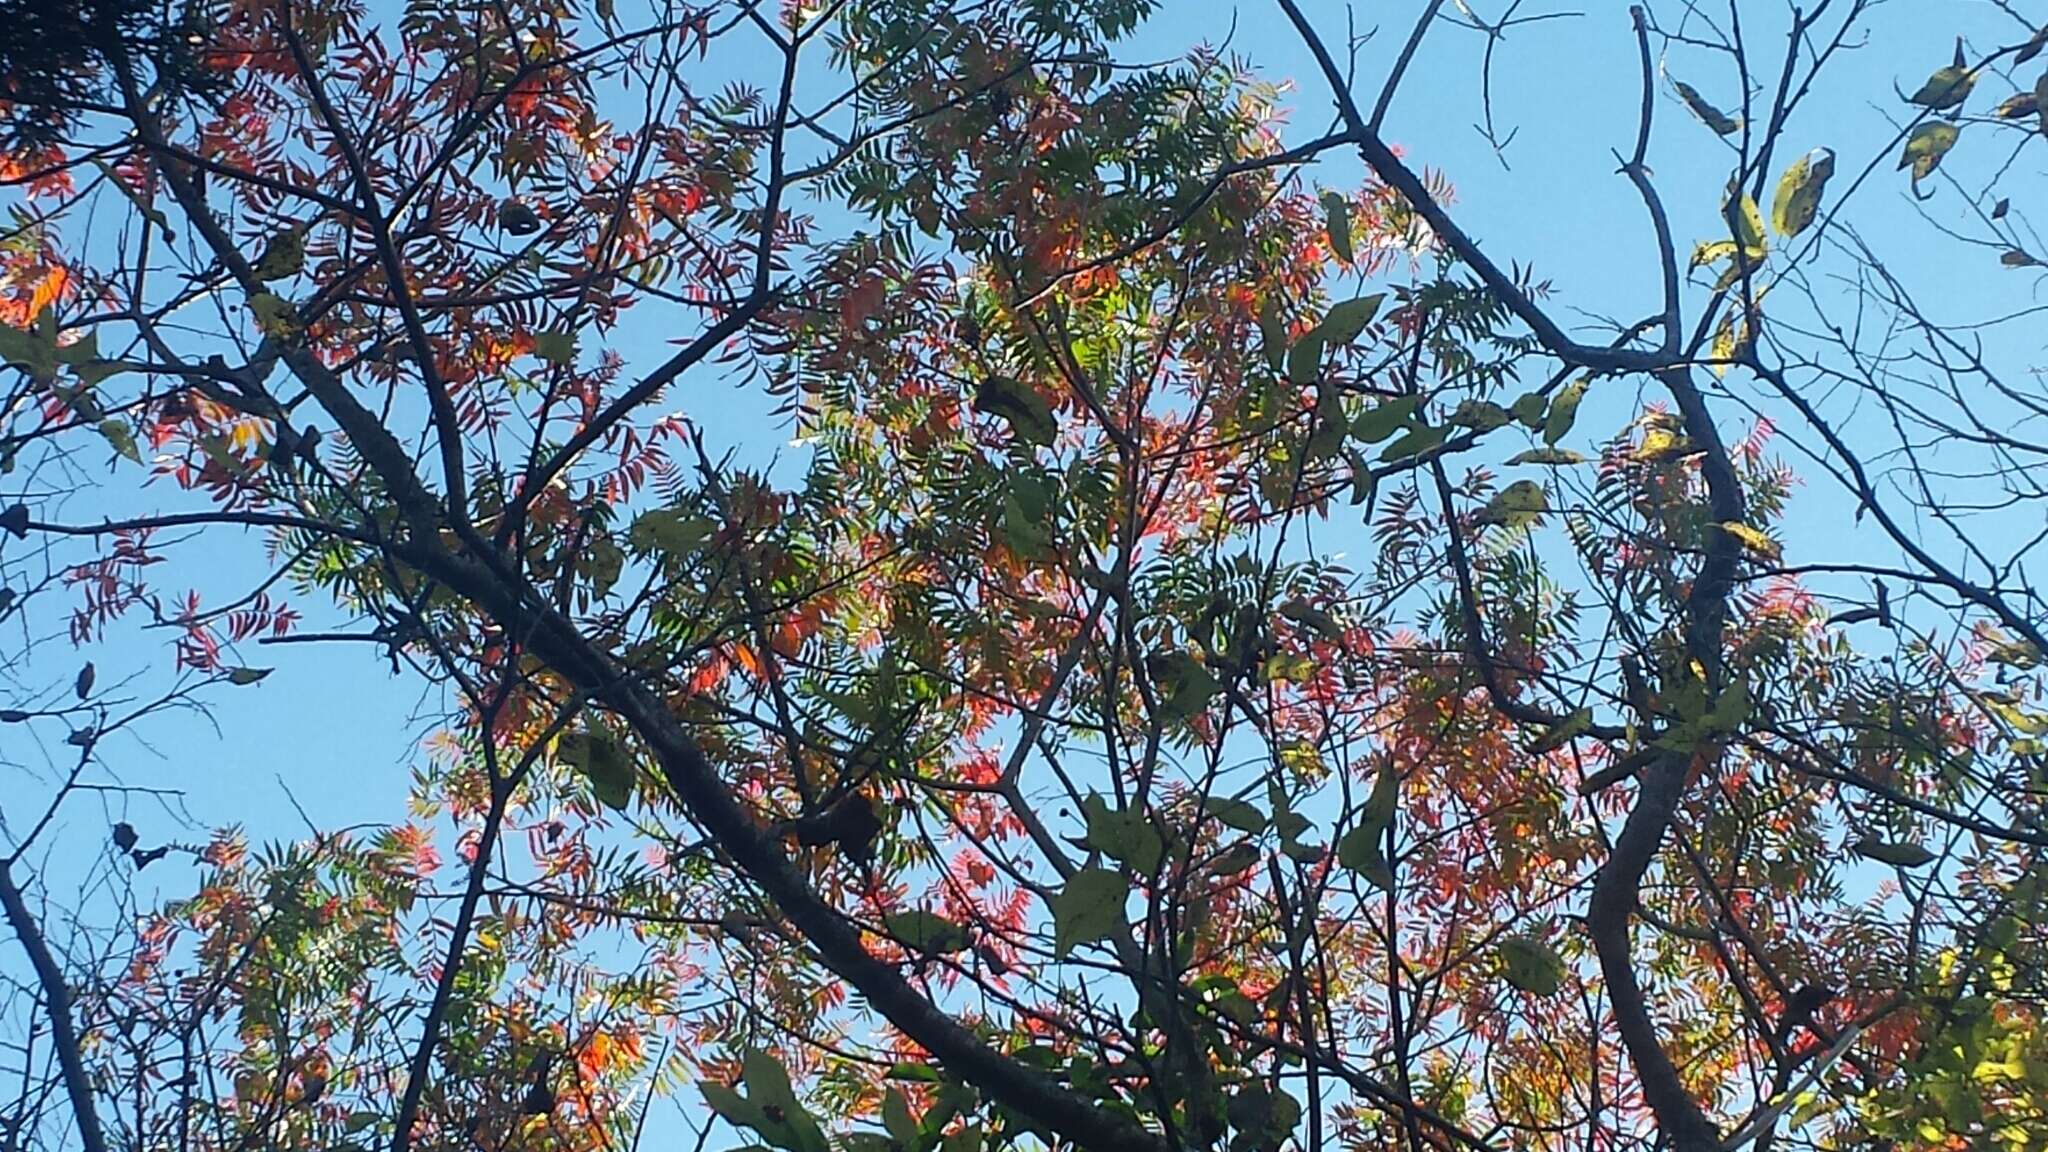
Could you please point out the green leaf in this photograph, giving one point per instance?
(555, 347)
(1359, 850)
(1562, 731)
(1305, 360)
(1337, 218)
(1528, 409)
(1238, 814)
(669, 530)
(82, 350)
(1088, 909)
(1273, 333)
(1480, 415)
(1800, 190)
(1949, 86)
(1126, 837)
(1383, 420)
(1722, 123)
(122, 440)
(360, 1121)
(1926, 146)
(597, 754)
(32, 350)
(1554, 457)
(275, 316)
(1904, 854)
(1027, 515)
(1302, 612)
(1517, 506)
(1564, 411)
(917, 1073)
(731, 1106)
(1531, 965)
(926, 931)
(1343, 322)
(1234, 859)
(1383, 802)
(241, 677)
(1745, 223)
(1027, 413)
(1419, 439)
(897, 1119)
(1185, 684)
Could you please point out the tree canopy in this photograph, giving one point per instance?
(986, 588)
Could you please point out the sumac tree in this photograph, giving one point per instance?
(1230, 659)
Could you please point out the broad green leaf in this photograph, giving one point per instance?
(1124, 836)
(123, 441)
(767, 1081)
(1185, 684)
(1949, 86)
(1305, 360)
(731, 1106)
(897, 1119)
(1234, 859)
(1383, 802)
(1722, 123)
(1088, 909)
(555, 347)
(1383, 420)
(1528, 409)
(1480, 415)
(1800, 190)
(1302, 612)
(926, 931)
(1517, 506)
(275, 316)
(1027, 516)
(1564, 411)
(1745, 223)
(1904, 854)
(1419, 439)
(1731, 708)
(1238, 814)
(31, 350)
(1562, 731)
(1273, 333)
(1531, 965)
(1554, 457)
(245, 676)
(1926, 146)
(1359, 850)
(1337, 218)
(669, 530)
(597, 754)
(1343, 322)
(1027, 413)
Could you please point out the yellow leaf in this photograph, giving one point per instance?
(1753, 539)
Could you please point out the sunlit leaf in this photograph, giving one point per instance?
(1088, 909)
